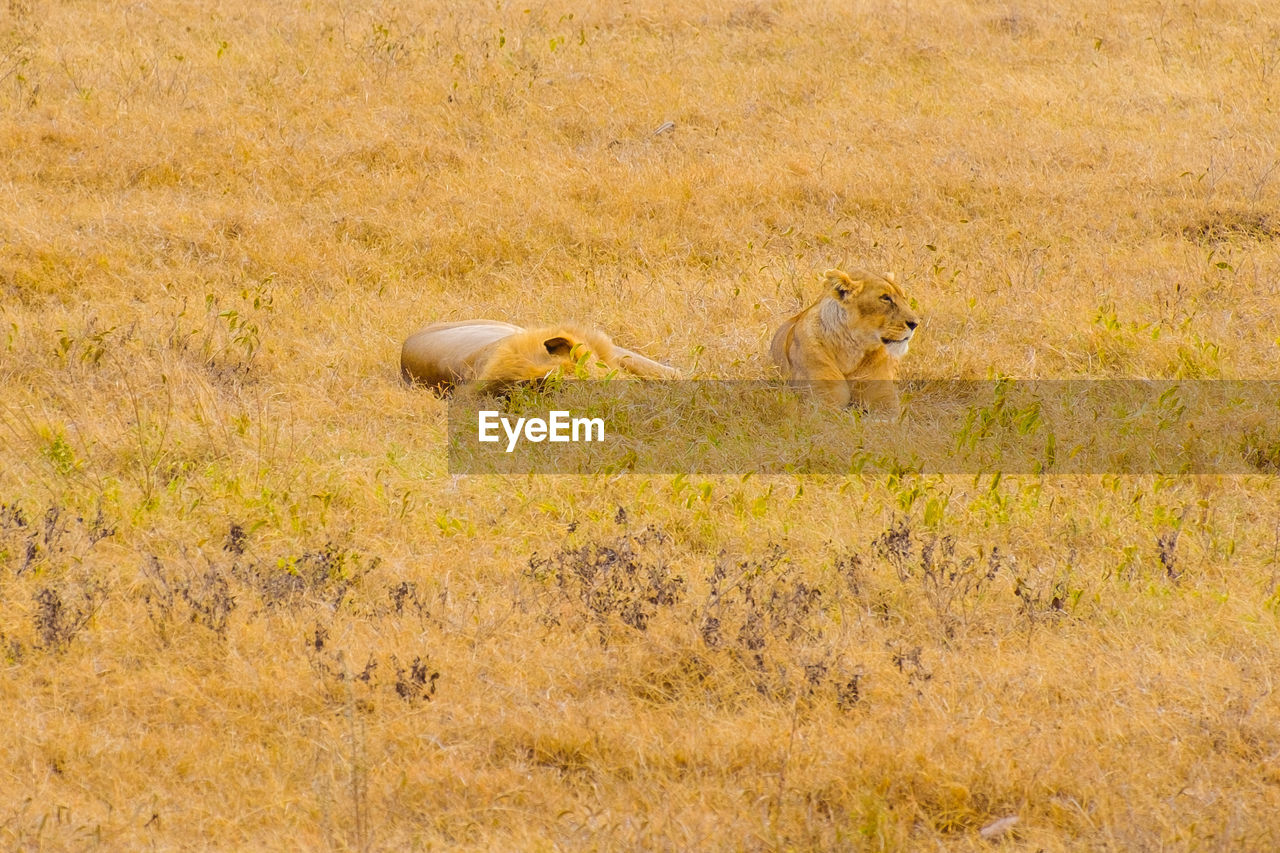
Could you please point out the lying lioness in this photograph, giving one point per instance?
(498, 354)
(846, 346)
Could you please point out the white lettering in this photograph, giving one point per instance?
(513, 435)
(558, 426)
(488, 423)
(588, 424)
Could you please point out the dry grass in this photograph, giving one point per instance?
(244, 606)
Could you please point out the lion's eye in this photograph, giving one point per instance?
(887, 298)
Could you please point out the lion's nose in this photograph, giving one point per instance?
(911, 324)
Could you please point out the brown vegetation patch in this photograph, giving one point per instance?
(1225, 225)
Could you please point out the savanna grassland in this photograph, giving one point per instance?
(244, 605)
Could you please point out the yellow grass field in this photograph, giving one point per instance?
(245, 606)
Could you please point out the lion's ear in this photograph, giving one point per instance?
(560, 346)
(889, 276)
(843, 286)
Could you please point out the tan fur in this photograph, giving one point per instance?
(497, 354)
(845, 347)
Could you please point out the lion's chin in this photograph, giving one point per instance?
(898, 348)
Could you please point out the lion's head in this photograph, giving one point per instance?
(867, 304)
(536, 354)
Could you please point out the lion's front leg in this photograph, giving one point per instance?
(828, 386)
(878, 396)
(639, 365)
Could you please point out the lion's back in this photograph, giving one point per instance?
(445, 353)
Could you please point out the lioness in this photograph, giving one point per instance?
(498, 354)
(846, 346)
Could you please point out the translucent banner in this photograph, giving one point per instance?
(941, 426)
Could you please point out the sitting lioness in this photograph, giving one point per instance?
(498, 354)
(845, 347)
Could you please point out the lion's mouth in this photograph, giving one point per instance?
(896, 347)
